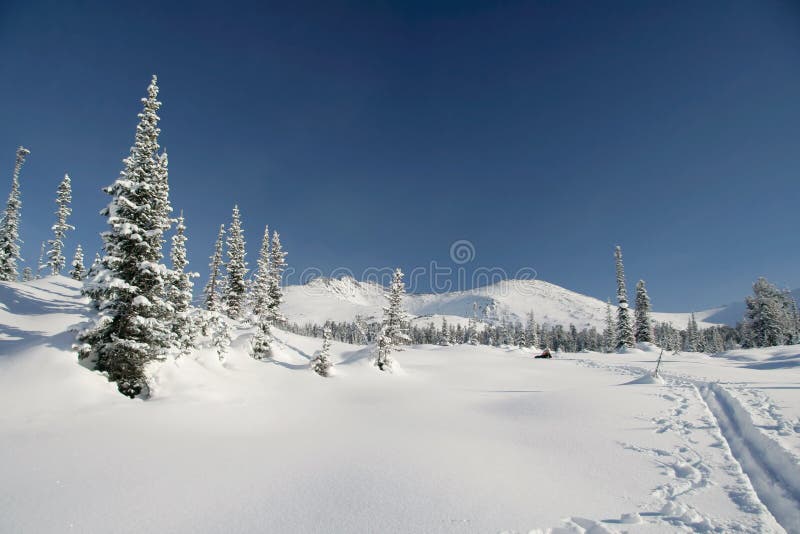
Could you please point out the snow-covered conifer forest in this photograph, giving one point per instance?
(144, 390)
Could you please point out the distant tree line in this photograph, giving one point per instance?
(771, 319)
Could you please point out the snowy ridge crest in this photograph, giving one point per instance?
(344, 298)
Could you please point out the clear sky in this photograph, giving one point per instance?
(378, 133)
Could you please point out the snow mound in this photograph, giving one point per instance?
(647, 378)
(630, 519)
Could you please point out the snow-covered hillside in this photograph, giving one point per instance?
(342, 299)
(458, 439)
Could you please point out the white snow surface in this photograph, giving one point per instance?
(457, 439)
(342, 299)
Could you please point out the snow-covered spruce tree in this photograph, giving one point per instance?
(392, 328)
(27, 274)
(179, 292)
(674, 340)
(321, 364)
(361, 329)
(625, 336)
(212, 298)
(769, 315)
(236, 287)
(444, 334)
(41, 265)
(531, 331)
(263, 311)
(261, 344)
(55, 255)
(715, 343)
(78, 271)
(693, 343)
(261, 281)
(277, 264)
(133, 327)
(9, 224)
(644, 326)
(221, 335)
(610, 331)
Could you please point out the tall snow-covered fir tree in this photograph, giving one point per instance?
(263, 311)
(610, 331)
(625, 337)
(212, 294)
(133, 327)
(78, 271)
(55, 255)
(392, 331)
(644, 326)
(444, 334)
(9, 224)
(277, 264)
(236, 268)
(179, 292)
(321, 364)
(692, 335)
(531, 331)
(261, 280)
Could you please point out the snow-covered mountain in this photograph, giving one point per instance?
(342, 299)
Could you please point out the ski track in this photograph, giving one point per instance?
(767, 416)
(724, 445)
(772, 470)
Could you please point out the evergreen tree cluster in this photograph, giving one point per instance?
(145, 310)
(10, 230)
(771, 317)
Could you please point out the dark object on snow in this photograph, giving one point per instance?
(545, 354)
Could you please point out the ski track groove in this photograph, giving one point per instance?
(771, 469)
(759, 490)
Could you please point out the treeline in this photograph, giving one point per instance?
(506, 334)
(51, 256)
(771, 319)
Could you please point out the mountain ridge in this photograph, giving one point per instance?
(344, 298)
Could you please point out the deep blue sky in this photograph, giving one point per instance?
(377, 133)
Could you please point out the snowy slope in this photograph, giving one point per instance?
(342, 299)
(459, 439)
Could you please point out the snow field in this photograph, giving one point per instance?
(458, 439)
